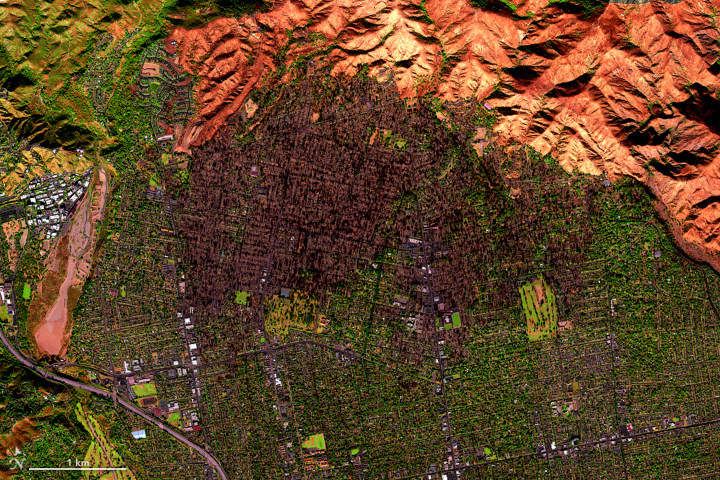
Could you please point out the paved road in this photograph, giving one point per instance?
(98, 391)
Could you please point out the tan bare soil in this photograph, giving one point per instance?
(630, 92)
(150, 69)
(64, 285)
(49, 288)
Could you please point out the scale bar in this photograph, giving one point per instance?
(78, 468)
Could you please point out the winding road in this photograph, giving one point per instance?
(98, 391)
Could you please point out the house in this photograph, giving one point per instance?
(400, 301)
(285, 292)
(139, 433)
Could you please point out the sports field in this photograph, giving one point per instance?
(145, 389)
(316, 441)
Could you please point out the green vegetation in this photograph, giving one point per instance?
(316, 441)
(37, 417)
(29, 272)
(42, 68)
(101, 453)
(455, 320)
(174, 418)
(299, 311)
(145, 389)
(241, 298)
(238, 8)
(4, 250)
(4, 315)
(541, 313)
(391, 140)
(588, 8)
(495, 5)
(372, 378)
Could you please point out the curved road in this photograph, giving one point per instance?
(32, 366)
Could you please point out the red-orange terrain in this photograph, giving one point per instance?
(633, 90)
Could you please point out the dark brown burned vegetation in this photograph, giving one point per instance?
(330, 175)
(309, 192)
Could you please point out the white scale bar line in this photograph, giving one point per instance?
(84, 468)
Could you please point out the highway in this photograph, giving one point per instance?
(129, 406)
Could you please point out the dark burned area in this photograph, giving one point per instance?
(326, 204)
(323, 195)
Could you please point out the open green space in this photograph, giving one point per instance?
(241, 297)
(541, 313)
(174, 418)
(299, 312)
(4, 315)
(315, 441)
(145, 389)
(27, 291)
